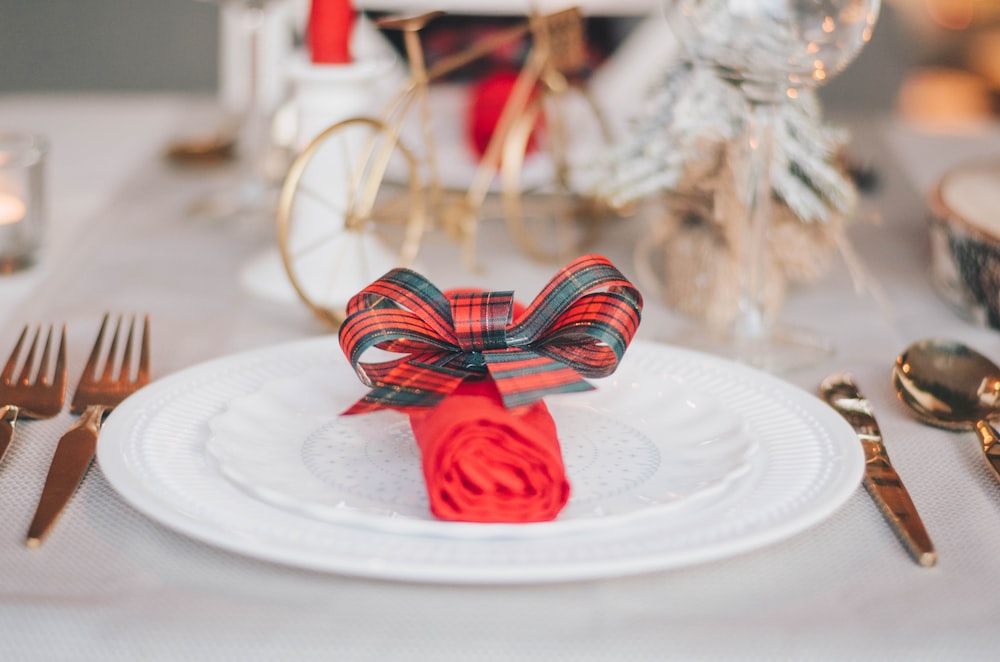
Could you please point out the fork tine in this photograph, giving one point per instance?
(125, 372)
(42, 376)
(8, 369)
(143, 376)
(59, 382)
(109, 363)
(29, 360)
(90, 369)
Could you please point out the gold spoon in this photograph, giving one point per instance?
(951, 386)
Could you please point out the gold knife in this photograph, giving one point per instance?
(73, 456)
(98, 391)
(881, 480)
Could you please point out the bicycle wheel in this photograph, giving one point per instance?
(351, 208)
(549, 175)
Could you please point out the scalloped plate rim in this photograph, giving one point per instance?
(178, 490)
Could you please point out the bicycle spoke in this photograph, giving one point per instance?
(335, 268)
(334, 206)
(319, 243)
(354, 173)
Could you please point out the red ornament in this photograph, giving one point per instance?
(488, 98)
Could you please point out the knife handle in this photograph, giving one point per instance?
(881, 480)
(8, 416)
(991, 449)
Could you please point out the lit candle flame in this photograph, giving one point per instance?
(12, 209)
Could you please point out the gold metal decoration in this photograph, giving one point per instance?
(950, 385)
(881, 480)
(377, 194)
(99, 391)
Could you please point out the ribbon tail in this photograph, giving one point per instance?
(408, 388)
(523, 376)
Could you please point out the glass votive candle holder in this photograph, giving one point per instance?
(22, 199)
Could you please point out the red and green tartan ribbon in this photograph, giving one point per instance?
(578, 326)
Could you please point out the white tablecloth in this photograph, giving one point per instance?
(110, 584)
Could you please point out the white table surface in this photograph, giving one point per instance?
(109, 584)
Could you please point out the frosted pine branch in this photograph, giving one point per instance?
(693, 114)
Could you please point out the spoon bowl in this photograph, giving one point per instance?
(952, 386)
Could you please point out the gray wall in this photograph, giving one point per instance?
(107, 45)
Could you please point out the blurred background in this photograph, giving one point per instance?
(930, 59)
(103, 45)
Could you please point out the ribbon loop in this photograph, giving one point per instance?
(578, 326)
(481, 319)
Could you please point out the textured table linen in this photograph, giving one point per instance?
(110, 584)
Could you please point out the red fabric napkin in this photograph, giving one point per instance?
(328, 33)
(483, 462)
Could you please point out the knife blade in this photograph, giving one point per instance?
(73, 456)
(881, 480)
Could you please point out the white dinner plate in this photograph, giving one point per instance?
(805, 462)
(638, 446)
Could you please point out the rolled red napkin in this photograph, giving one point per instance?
(483, 462)
(328, 33)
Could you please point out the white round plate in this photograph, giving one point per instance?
(806, 462)
(639, 445)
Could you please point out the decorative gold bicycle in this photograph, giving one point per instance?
(358, 201)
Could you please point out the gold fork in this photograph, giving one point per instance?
(95, 395)
(40, 398)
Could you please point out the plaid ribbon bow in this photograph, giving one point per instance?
(578, 326)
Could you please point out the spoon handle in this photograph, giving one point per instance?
(991, 449)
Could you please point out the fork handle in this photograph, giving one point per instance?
(8, 416)
(72, 458)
